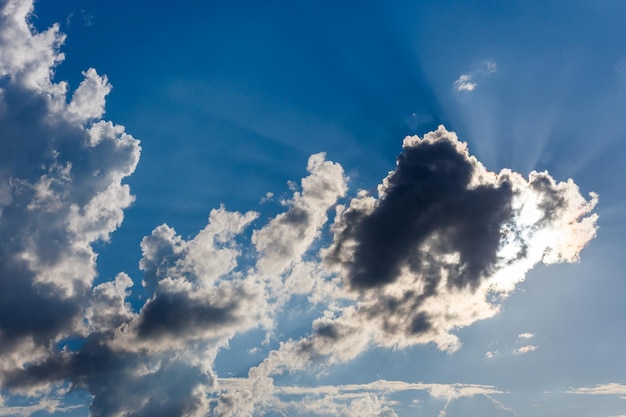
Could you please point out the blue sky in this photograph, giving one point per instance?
(274, 245)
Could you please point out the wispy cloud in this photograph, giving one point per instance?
(613, 389)
(45, 405)
(469, 81)
(372, 399)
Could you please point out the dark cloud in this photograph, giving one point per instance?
(121, 382)
(427, 197)
(440, 247)
(178, 314)
(33, 312)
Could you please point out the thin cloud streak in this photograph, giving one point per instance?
(342, 399)
(612, 389)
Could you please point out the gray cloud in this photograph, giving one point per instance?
(445, 233)
(440, 247)
(427, 197)
(61, 177)
(122, 383)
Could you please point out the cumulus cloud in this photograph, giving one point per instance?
(444, 240)
(61, 177)
(441, 246)
(469, 81)
(286, 238)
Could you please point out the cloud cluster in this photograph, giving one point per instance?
(438, 248)
(443, 242)
(441, 246)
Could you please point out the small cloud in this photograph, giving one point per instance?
(464, 83)
(491, 354)
(490, 66)
(469, 81)
(269, 196)
(68, 19)
(525, 349)
(525, 336)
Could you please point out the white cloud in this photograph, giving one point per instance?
(88, 100)
(464, 83)
(243, 395)
(469, 81)
(525, 349)
(613, 389)
(108, 308)
(285, 238)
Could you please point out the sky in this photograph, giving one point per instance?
(382, 209)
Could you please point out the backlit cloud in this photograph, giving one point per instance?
(443, 243)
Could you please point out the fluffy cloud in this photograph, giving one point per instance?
(61, 188)
(443, 243)
(285, 239)
(445, 240)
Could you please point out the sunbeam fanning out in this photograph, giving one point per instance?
(323, 299)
